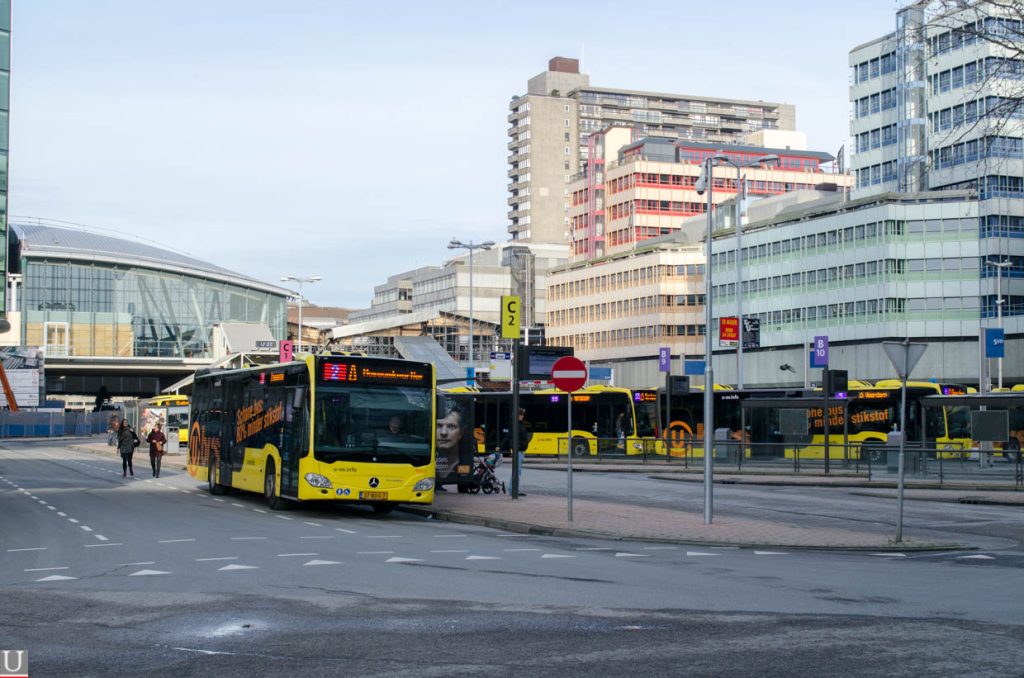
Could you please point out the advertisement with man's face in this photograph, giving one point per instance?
(455, 444)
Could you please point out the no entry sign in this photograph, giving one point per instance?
(569, 374)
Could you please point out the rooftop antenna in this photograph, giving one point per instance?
(582, 69)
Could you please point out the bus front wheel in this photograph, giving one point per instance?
(275, 502)
(211, 478)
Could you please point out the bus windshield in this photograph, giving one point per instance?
(389, 424)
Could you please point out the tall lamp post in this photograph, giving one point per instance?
(300, 280)
(1000, 265)
(471, 246)
(705, 182)
(755, 162)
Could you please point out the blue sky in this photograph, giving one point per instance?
(353, 140)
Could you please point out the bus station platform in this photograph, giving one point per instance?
(545, 513)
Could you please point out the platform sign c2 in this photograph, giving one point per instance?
(819, 352)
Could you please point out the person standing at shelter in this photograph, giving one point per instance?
(524, 442)
(127, 441)
(157, 444)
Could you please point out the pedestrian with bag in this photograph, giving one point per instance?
(157, 445)
(127, 441)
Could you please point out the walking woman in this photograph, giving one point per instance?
(157, 440)
(127, 441)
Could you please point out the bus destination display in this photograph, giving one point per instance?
(374, 373)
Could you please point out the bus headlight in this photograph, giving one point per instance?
(424, 485)
(317, 480)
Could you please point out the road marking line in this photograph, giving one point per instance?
(238, 567)
(975, 557)
(318, 536)
(660, 548)
(285, 517)
(373, 553)
(235, 503)
(592, 548)
(147, 573)
(292, 555)
(204, 560)
(52, 508)
(451, 551)
(482, 558)
(259, 510)
(245, 538)
(56, 577)
(700, 553)
(173, 541)
(322, 562)
(342, 529)
(72, 520)
(448, 536)
(86, 528)
(45, 569)
(890, 555)
(403, 560)
(383, 536)
(516, 550)
(89, 546)
(217, 499)
(306, 522)
(556, 555)
(769, 553)
(34, 548)
(626, 554)
(101, 537)
(517, 536)
(148, 562)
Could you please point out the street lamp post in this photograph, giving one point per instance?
(706, 182)
(1000, 265)
(300, 280)
(471, 246)
(756, 162)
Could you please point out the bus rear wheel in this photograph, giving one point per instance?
(580, 448)
(275, 502)
(211, 478)
(873, 452)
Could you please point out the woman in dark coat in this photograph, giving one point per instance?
(127, 441)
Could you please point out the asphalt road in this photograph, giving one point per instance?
(108, 576)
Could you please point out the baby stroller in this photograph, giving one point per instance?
(483, 475)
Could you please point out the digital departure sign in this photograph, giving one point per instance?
(379, 373)
(645, 396)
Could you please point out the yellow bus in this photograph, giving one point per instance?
(874, 411)
(175, 415)
(604, 418)
(321, 428)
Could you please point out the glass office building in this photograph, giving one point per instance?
(83, 294)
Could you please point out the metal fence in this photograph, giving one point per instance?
(51, 424)
(879, 462)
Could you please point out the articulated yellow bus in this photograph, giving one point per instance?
(874, 411)
(324, 427)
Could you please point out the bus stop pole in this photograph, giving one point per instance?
(903, 442)
(569, 456)
(516, 466)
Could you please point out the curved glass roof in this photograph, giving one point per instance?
(41, 240)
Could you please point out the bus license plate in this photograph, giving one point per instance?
(373, 495)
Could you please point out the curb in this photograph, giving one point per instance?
(983, 501)
(527, 528)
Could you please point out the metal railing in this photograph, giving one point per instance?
(879, 462)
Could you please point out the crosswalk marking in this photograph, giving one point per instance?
(56, 577)
(238, 567)
(147, 573)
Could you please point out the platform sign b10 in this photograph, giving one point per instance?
(819, 352)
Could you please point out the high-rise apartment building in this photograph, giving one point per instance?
(550, 125)
(634, 189)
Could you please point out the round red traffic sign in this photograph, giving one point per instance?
(569, 374)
